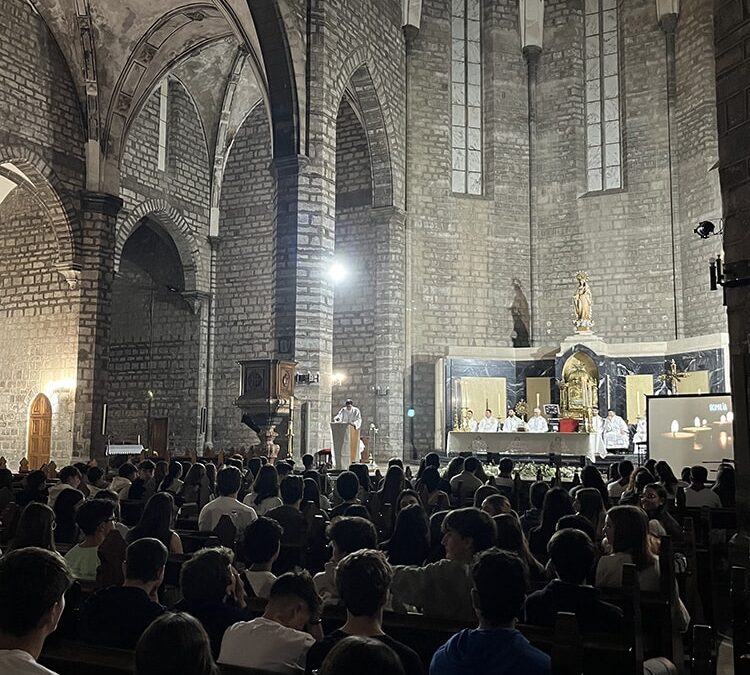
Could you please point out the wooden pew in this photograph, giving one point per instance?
(740, 621)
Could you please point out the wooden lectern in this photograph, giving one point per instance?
(345, 444)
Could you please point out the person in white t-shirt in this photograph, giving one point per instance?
(33, 583)
(698, 494)
(279, 640)
(228, 482)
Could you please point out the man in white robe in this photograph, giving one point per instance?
(615, 432)
(470, 424)
(537, 424)
(512, 422)
(350, 414)
(488, 424)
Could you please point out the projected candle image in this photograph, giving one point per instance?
(688, 429)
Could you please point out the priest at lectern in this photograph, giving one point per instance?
(349, 414)
(345, 430)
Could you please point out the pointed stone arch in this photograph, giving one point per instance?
(42, 183)
(355, 80)
(174, 223)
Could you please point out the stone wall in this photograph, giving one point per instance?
(245, 267)
(38, 329)
(354, 297)
(465, 251)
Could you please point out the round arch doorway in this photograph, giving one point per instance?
(40, 432)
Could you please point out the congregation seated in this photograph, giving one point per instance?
(495, 505)
(118, 615)
(123, 480)
(572, 554)
(174, 644)
(725, 485)
(504, 479)
(34, 489)
(196, 488)
(213, 592)
(35, 528)
(639, 479)
(265, 492)
(466, 483)
(156, 521)
(347, 488)
(443, 588)
(624, 470)
(496, 647)
(261, 546)
(410, 543)
(697, 494)
(280, 640)
(532, 517)
(668, 480)
(172, 481)
(434, 498)
(589, 505)
(95, 481)
(289, 515)
(384, 502)
(654, 503)
(363, 580)
(143, 486)
(228, 483)
(510, 538)
(557, 503)
(95, 519)
(6, 491)
(33, 583)
(347, 534)
(361, 655)
(70, 479)
(484, 492)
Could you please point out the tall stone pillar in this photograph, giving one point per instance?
(305, 212)
(731, 27)
(390, 298)
(98, 215)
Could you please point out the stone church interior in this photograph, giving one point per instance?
(502, 239)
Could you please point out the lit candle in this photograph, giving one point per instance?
(139, 439)
(537, 400)
(730, 417)
(675, 427)
(697, 422)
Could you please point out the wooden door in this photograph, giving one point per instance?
(40, 432)
(159, 436)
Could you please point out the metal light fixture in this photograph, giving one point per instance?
(666, 8)
(531, 23)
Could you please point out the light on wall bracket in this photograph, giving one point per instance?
(728, 276)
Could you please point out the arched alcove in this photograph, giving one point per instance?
(154, 346)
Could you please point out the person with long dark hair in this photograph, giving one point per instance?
(639, 479)
(725, 485)
(557, 503)
(510, 538)
(157, 521)
(410, 542)
(588, 503)
(189, 650)
(195, 487)
(667, 478)
(36, 527)
(171, 481)
(591, 478)
(384, 502)
(265, 494)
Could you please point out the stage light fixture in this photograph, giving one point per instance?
(705, 229)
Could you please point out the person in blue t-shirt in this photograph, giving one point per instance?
(496, 647)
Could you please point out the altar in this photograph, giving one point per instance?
(526, 443)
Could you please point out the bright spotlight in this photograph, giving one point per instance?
(337, 272)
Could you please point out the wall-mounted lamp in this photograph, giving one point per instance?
(338, 379)
(665, 8)
(381, 391)
(728, 276)
(307, 378)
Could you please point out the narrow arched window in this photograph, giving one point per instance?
(163, 116)
(604, 170)
(466, 96)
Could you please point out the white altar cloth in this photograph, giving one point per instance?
(527, 443)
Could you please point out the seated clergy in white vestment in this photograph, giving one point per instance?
(470, 424)
(615, 431)
(488, 424)
(537, 424)
(512, 422)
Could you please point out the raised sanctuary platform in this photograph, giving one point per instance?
(527, 443)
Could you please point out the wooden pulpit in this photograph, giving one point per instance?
(345, 444)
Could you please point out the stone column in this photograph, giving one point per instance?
(732, 81)
(390, 295)
(305, 212)
(98, 215)
(200, 304)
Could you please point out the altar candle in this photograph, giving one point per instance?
(697, 422)
(537, 400)
(139, 439)
(675, 427)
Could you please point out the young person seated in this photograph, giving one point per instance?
(289, 515)
(70, 479)
(697, 494)
(625, 469)
(467, 479)
(347, 489)
(505, 476)
(95, 518)
(228, 483)
(174, 644)
(123, 480)
(443, 588)
(363, 579)
(144, 485)
(261, 544)
(36, 527)
(157, 521)
(572, 555)
(361, 655)
(33, 583)
(532, 517)
(433, 496)
(347, 535)
(118, 615)
(212, 592)
(495, 647)
(279, 640)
